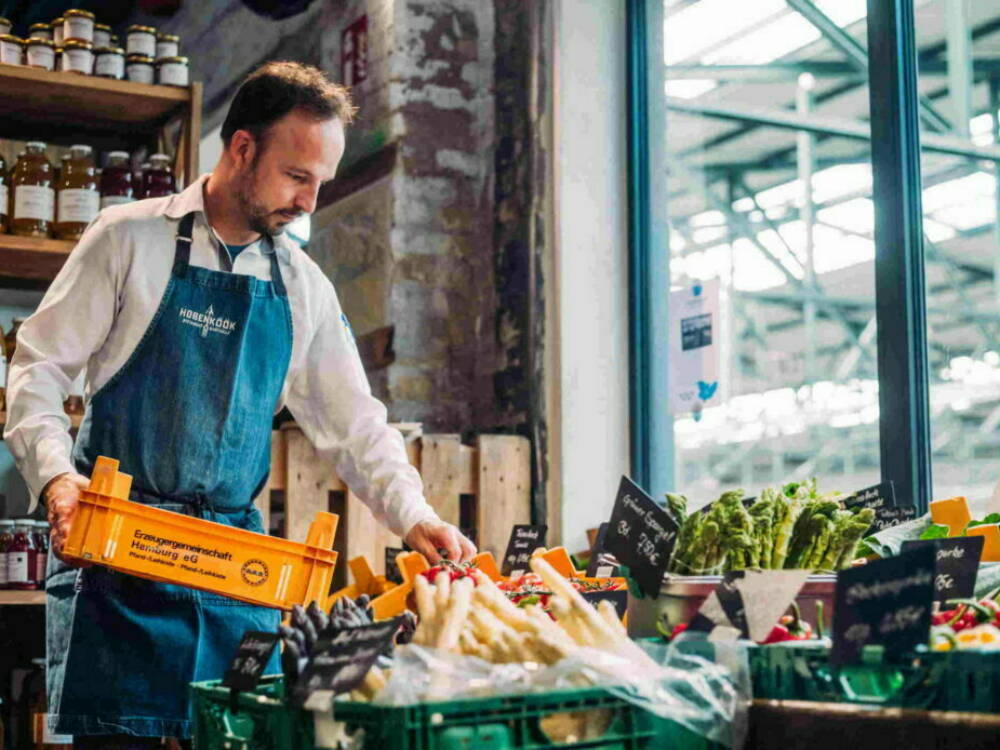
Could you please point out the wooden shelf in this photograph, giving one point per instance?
(74, 421)
(32, 95)
(32, 257)
(22, 597)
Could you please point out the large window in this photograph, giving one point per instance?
(959, 82)
(769, 191)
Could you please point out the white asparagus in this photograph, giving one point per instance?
(563, 588)
(442, 585)
(423, 592)
(454, 617)
(607, 610)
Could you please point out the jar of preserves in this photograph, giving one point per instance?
(11, 50)
(4, 196)
(158, 177)
(41, 53)
(5, 25)
(42, 554)
(139, 68)
(78, 24)
(140, 40)
(21, 557)
(37, 712)
(116, 180)
(40, 31)
(172, 71)
(109, 62)
(10, 340)
(57, 31)
(6, 537)
(78, 57)
(78, 197)
(34, 197)
(102, 35)
(167, 45)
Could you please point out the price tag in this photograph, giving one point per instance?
(957, 565)
(748, 603)
(886, 518)
(641, 535)
(250, 660)
(884, 602)
(524, 539)
(392, 572)
(339, 663)
(879, 496)
(599, 566)
(619, 598)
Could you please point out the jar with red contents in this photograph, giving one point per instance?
(158, 178)
(22, 557)
(42, 551)
(6, 538)
(116, 180)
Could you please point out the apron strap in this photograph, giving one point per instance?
(182, 246)
(182, 254)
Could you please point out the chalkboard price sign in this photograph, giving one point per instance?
(392, 572)
(339, 663)
(641, 535)
(886, 518)
(619, 598)
(250, 660)
(524, 539)
(957, 564)
(878, 496)
(885, 602)
(599, 565)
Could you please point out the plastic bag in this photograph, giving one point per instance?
(709, 697)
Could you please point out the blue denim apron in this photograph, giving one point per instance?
(189, 417)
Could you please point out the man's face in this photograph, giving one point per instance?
(279, 183)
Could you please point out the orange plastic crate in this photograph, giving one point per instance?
(164, 546)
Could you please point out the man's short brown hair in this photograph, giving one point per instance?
(277, 88)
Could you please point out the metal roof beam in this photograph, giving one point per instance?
(840, 127)
(858, 55)
(778, 72)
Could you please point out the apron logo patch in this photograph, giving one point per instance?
(254, 572)
(207, 321)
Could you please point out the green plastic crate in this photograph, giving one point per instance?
(515, 722)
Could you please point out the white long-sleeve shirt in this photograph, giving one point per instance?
(102, 302)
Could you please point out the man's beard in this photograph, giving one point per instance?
(256, 214)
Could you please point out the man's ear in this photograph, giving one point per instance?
(242, 148)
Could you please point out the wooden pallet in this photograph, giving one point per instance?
(494, 474)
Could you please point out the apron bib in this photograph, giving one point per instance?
(189, 417)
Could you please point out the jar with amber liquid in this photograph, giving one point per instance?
(34, 197)
(79, 198)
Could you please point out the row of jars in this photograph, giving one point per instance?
(37, 200)
(74, 43)
(24, 549)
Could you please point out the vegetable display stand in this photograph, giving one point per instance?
(944, 681)
(485, 487)
(165, 546)
(581, 718)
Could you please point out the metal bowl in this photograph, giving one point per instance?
(681, 597)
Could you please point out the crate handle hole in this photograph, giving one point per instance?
(571, 727)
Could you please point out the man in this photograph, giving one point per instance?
(196, 320)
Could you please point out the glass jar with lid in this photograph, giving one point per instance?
(4, 196)
(42, 554)
(11, 50)
(167, 45)
(78, 198)
(40, 31)
(40, 53)
(21, 557)
(5, 25)
(140, 40)
(78, 57)
(109, 62)
(34, 195)
(102, 35)
(172, 71)
(116, 180)
(78, 24)
(57, 31)
(139, 68)
(6, 537)
(158, 177)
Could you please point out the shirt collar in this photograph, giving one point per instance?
(192, 198)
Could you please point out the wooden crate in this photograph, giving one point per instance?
(493, 475)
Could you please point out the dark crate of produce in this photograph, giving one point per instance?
(590, 718)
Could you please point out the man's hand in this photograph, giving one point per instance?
(427, 537)
(62, 496)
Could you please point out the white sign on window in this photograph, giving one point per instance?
(695, 341)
